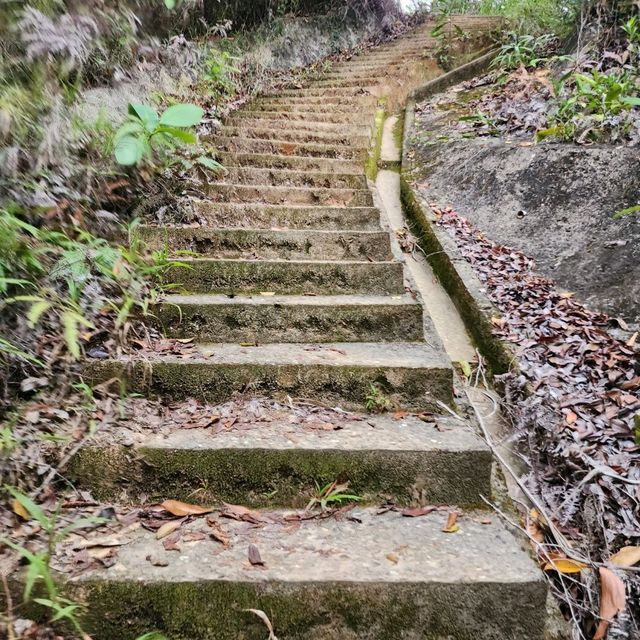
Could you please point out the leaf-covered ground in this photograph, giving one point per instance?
(574, 405)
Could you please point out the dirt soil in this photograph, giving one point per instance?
(556, 202)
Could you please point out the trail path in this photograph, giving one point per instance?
(302, 293)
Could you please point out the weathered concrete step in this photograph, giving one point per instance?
(289, 277)
(288, 148)
(306, 116)
(345, 92)
(271, 244)
(294, 163)
(313, 127)
(240, 193)
(286, 177)
(359, 99)
(288, 217)
(264, 132)
(361, 577)
(413, 376)
(264, 319)
(368, 71)
(346, 106)
(275, 464)
(340, 83)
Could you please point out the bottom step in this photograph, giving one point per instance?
(361, 576)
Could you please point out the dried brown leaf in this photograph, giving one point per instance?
(416, 512)
(612, 600)
(177, 508)
(626, 557)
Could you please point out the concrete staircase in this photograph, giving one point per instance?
(297, 294)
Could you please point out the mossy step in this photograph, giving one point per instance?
(348, 93)
(288, 217)
(271, 244)
(293, 135)
(294, 163)
(346, 106)
(365, 576)
(338, 84)
(292, 178)
(360, 99)
(221, 192)
(272, 319)
(288, 277)
(306, 116)
(276, 464)
(288, 148)
(315, 127)
(413, 376)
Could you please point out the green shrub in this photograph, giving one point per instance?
(524, 50)
(588, 103)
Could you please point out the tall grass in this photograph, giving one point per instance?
(528, 16)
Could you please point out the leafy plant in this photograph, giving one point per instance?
(588, 103)
(39, 562)
(331, 494)
(145, 132)
(523, 50)
(376, 401)
(219, 72)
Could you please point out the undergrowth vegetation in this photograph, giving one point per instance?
(105, 115)
(584, 92)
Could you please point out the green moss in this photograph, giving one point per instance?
(216, 610)
(496, 352)
(374, 157)
(281, 477)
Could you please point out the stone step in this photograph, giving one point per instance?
(269, 244)
(306, 116)
(265, 194)
(341, 82)
(292, 277)
(362, 576)
(288, 217)
(276, 463)
(292, 163)
(362, 100)
(411, 376)
(290, 178)
(314, 127)
(288, 148)
(272, 319)
(344, 106)
(368, 71)
(264, 132)
(345, 92)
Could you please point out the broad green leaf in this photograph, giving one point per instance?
(128, 151)
(181, 134)
(170, 4)
(182, 115)
(145, 114)
(133, 129)
(631, 101)
(209, 163)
